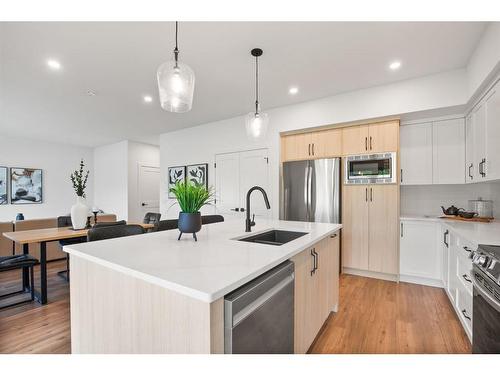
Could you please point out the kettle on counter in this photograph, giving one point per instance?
(451, 210)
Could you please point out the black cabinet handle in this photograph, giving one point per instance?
(366, 194)
(313, 149)
(445, 236)
(466, 278)
(467, 249)
(366, 143)
(333, 235)
(401, 175)
(313, 254)
(401, 230)
(317, 258)
(371, 195)
(470, 174)
(465, 315)
(309, 149)
(370, 142)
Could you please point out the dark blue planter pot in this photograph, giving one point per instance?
(189, 223)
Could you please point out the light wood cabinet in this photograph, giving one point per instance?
(370, 228)
(313, 145)
(383, 219)
(316, 290)
(355, 226)
(355, 140)
(383, 137)
(373, 138)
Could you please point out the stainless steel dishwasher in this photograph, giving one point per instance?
(258, 317)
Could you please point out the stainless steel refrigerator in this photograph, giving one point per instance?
(310, 191)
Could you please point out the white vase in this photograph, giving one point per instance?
(79, 213)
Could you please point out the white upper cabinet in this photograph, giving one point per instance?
(483, 138)
(492, 165)
(416, 154)
(448, 146)
(470, 166)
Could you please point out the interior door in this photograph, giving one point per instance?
(383, 228)
(235, 174)
(149, 189)
(227, 184)
(355, 227)
(254, 171)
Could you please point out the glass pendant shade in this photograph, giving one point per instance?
(176, 86)
(256, 125)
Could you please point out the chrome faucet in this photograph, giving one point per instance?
(250, 223)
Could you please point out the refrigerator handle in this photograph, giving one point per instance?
(309, 190)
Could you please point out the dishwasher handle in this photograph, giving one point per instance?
(258, 302)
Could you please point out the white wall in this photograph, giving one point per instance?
(138, 153)
(200, 144)
(57, 162)
(116, 183)
(485, 61)
(111, 179)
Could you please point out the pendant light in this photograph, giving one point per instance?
(176, 83)
(256, 122)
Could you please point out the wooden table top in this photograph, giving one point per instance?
(52, 234)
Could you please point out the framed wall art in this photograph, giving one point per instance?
(175, 174)
(25, 186)
(197, 174)
(3, 185)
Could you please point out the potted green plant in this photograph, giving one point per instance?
(79, 211)
(191, 198)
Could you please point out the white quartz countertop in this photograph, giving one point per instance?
(208, 269)
(475, 232)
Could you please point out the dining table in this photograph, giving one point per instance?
(43, 236)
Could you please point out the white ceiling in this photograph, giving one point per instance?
(119, 60)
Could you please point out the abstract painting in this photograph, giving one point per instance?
(198, 174)
(25, 186)
(3, 185)
(175, 174)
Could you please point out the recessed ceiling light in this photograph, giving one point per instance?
(395, 65)
(148, 99)
(54, 64)
(293, 90)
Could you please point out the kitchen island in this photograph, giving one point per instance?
(154, 294)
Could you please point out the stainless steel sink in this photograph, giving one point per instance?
(273, 237)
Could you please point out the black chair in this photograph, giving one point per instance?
(168, 224)
(211, 219)
(65, 221)
(115, 231)
(102, 224)
(19, 262)
(152, 218)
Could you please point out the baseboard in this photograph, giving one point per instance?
(421, 280)
(371, 274)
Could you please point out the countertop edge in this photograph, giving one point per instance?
(190, 292)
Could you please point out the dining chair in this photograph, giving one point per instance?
(65, 221)
(152, 218)
(168, 224)
(19, 262)
(115, 231)
(211, 219)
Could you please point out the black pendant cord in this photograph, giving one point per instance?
(176, 50)
(256, 85)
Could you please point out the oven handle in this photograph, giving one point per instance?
(480, 290)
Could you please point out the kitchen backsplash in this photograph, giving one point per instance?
(428, 199)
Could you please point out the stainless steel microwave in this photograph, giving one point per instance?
(371, 169)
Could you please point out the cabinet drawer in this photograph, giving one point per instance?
(464, 305)
(464, 249)
(464, 268)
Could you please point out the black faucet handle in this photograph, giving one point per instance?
(252, 223)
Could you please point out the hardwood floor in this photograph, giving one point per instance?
(375, 316)
(33, 328)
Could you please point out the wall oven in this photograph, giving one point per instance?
(370, 169)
